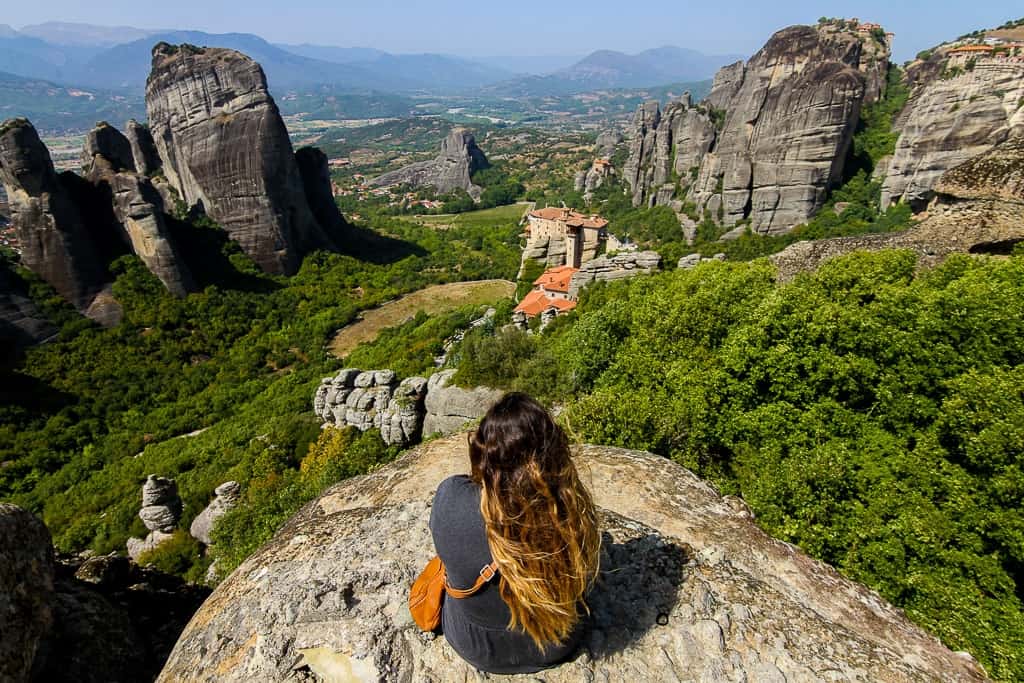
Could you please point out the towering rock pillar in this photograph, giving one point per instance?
(56, 244)
(138, 208)
(224, 145)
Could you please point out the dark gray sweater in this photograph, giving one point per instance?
(477, 627)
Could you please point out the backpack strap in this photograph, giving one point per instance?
(486, 574)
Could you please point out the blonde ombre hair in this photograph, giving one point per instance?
(540, 518)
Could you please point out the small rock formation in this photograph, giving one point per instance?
(138, 206)
(947, 121)
(690, 589)
(144, 154)
(770, 140)
(693, 260)
(26, 590)
(977, 209)
(56, 243)
(452, 169)
(450, 408)
(224, 146)
(225, 497)
(161, 510)
(617, 267)
(402, 410)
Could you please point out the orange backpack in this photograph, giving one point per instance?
(428, 589)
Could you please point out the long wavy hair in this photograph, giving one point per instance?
(540, 518)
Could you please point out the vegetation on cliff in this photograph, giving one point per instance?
(872, 416)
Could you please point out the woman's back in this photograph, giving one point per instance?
(477, 626)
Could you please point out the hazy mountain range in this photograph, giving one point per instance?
(113, 58)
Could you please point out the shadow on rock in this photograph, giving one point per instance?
(635, 592)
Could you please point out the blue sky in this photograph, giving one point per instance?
(526, 27)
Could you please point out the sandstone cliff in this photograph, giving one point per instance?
(771, 138)
(57, 243)
(690, 589)
(949, 119)
(452, 169)
(978, 208)
(110, 163)
(224, 146)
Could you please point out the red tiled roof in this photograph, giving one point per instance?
(573, 219)
(536, 302)
(556, 279)
(551, 213)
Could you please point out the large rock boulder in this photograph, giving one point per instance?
(22, 324)
(449, 408)
(452, 169)
(690, 589)
(55, 241)
(950, 120)
(224, 146)
(26, 590)
(225, 498)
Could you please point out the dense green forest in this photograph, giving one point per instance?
(872, 416)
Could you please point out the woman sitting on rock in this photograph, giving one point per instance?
(525, 508)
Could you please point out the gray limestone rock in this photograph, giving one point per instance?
(144, 154)
(137, 546)
(56, 243)
(948, 121)
(373, 399)
(137, 205)
(225, 497)
(451, 169)
(316, 183)
(788, 128)
(22, 324)
(402, 421)
(161, 506)
(977, 209)
(617, 267)
(26, 590)
(608, 141)
(224, 146)
(689, 589)
(106, 141)
(449, 408)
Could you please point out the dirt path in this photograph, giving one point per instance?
(432, 300)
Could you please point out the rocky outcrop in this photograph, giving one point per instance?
(977, 209)
(617, 267)
(161, 510)
(693, 260)
(111, 619)
(55, 241)
(224, 146)
(950, 120)
(770, 140)
(137, 205)
(144, 154)
(225, 498)
(452, 169)
(450, 408)
(787, 130)
(26, 590)
(690, 588)
(316, 182)
(22, 324)
(402, 410)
